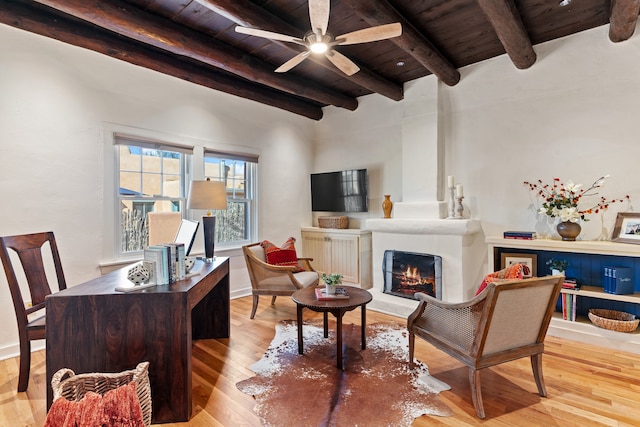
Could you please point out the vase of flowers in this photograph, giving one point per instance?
(562, 201)
(331, 281)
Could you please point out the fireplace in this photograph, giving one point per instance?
(406, 273)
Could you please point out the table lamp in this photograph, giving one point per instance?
(208, 195)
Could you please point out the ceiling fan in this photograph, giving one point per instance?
(318, 41)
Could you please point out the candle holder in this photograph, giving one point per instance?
(460, 209)
(452, 202)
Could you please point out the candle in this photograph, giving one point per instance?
(459, 190)
(450, 181)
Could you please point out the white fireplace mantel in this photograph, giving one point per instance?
(439, 227)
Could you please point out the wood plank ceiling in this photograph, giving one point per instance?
(195, 40)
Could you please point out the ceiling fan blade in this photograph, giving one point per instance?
(319, 16)
(268, 35)
(343, 63)
(293, 62)
(381, 32)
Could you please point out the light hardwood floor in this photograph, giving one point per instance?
(587, 385)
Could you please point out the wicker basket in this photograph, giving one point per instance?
(333, 221)
(76, 386)
(613, 320)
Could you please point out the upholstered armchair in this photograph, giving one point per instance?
(275, 280)
(506, 321)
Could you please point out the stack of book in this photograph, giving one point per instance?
(571, 284)
(618, 280)
(569, 304)
(322, 295)
(524, 235)
(165, 262)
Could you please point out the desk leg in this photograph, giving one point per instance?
(363, 322)
(339, 338)
(299, 319)
(325, 316)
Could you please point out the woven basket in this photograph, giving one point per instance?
(613, 320)
(76, 386)
(333, 221)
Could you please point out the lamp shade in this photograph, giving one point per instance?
(209, 195)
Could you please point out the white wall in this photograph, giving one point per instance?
(573, 115)
(57, 106)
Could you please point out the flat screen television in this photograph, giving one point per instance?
(342, 191)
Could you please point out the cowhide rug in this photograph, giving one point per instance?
(376, 388)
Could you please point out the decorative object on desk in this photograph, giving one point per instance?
(613, 320)
(189, 262)
(561, 201)
(627, 228)
(557, 266)
(138, 274)
(387, 206)
(208, 195)
(287, 386)
(331, 281)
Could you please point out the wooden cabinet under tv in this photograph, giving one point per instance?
(344, 251)
(586, 260)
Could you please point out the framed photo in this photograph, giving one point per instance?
(530, 260)
(627, 228)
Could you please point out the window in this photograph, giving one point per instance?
(151, 177)
(236, 224)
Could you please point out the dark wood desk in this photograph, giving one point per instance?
(306, 298)
(93, 328)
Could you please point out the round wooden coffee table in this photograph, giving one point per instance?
(306, 298)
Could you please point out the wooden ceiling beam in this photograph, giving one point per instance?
(623, 18)
(508, 25)
(164, 34)
(247, 14)
(413, 42)
(40, 20)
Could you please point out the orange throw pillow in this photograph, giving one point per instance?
(284, 255)
(513, 272)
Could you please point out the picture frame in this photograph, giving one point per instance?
(627, 228)
(530, 260)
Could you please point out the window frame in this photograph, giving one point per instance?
(250, 198)
(186, 159)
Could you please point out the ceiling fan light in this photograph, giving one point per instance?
(318, 47)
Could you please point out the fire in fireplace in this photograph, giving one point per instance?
(406, 273)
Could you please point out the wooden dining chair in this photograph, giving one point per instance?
(29, 249)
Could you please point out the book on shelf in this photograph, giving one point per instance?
(322, 295)
(524, 235)
(569, 303)
(618, 280)
(570, 283)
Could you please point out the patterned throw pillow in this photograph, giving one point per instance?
(283, 255)
(515, 271)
